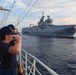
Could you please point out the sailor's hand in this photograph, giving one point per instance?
(18, 38)
(17, 32)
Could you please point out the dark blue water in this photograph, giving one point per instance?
(57, 53)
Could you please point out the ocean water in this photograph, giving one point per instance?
(57, 53)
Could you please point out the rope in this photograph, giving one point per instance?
(26, 14)
(7, 15)
(23, 12)
(9, 12)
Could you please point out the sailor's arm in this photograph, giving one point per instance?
(17, 47)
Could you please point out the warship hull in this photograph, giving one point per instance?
(54, 31)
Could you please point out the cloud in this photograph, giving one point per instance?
(18, 3)
(61, 11)
(54, 5)
(65, 21)
(21, 4)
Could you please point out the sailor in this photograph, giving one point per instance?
(7, 51)
(11, 27)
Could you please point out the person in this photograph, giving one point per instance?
(19, 72)
(19, 69)
(11, 26)
(8, 52)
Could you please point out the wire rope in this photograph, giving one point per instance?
(23, 12)
(26, 14)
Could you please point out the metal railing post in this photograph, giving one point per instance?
(20, 58)
(34, 67)
(26, 63)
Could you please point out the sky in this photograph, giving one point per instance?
(62, 12)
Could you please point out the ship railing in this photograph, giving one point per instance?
(30, 64)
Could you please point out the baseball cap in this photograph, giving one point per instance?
(6, 30)
(11, 26)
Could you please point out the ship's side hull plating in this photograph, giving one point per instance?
(58, 31)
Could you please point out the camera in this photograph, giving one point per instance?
(15, 32)
(14, 36)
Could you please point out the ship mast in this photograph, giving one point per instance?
(42, 18)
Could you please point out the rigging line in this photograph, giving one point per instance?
(9, 12)
(4, 13)
(26, 13)
(2, 19)
(23, 12)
